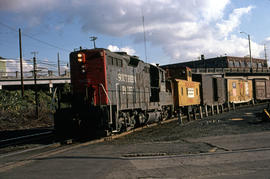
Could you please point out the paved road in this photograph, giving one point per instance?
(230, 156)
(96, 161)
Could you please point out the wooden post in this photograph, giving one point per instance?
(201, 113)
(206, 111)
(194, 114)
(35, 83)
(222, 108)
(180, 118)
(21, 62)
(58, 64)
(188, 116)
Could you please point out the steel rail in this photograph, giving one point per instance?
(10, 141)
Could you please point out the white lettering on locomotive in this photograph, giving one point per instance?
(127, 90)
(126, 78)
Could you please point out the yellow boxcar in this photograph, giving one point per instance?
(239, 90)
(188, 93)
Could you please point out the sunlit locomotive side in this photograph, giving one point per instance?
(113, 92)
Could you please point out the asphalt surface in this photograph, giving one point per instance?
(229, 145)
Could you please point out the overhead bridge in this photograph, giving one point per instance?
(49, 80)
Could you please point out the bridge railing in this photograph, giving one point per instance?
(230, 70)
(30, 74)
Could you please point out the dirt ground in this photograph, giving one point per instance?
(21, 123)
(171, 138)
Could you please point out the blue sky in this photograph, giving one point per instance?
(176, 30)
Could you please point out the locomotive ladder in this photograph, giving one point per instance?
(109, 101)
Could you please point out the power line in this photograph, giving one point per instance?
(41, 41)
(34, 38)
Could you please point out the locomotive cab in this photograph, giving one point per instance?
(88, 78)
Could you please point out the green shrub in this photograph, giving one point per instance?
(17, 112)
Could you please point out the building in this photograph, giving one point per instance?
(3, 67)
(225, 62)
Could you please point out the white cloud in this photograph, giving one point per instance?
(182, 29)
(13, 65)
(27, 5)
(267, 40)
(114, 48)
(213, 9)
(228, 26)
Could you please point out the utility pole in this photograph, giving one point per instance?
(93, 38)
(265, 54)
(144, 39)
(250, 58)
(21, 62)
(35, 81)
(58, 62)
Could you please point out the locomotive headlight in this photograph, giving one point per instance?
(81, 57)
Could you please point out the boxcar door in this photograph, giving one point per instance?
(260, 89)
(207, 90)
(267, 86)
(221, 90)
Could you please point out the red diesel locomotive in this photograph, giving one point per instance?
(112, 92)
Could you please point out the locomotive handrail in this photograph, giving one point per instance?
(109, 101)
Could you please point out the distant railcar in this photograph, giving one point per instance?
(239, 90)
(186, 93)
(261, 88)
(213, 89)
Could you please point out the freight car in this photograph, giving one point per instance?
(261, 88)
(113, 92)
(186, 93)
(213, 89)
(239, 90)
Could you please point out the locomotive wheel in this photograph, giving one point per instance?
(141, 118)
(165, 115)
(121, 124)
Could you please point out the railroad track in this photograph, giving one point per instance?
(26, 139)
(48, 136)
